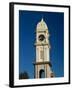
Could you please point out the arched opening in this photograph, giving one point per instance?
(42, 73)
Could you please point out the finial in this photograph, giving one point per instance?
(42, 19)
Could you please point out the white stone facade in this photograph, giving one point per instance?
(42, 50)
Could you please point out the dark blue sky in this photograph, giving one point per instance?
(27, 27)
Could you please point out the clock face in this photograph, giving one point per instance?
(41, 37)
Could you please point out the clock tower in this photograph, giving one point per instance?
(42, 65)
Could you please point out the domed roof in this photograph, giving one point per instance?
(42, 25)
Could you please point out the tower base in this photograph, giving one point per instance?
(43, 68)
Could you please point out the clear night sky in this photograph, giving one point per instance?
(27, 27)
